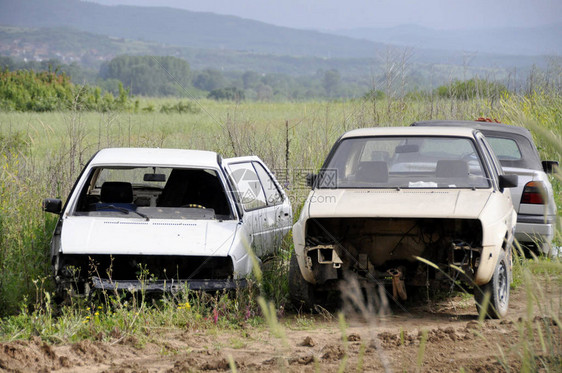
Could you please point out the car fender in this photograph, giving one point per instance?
(299, 241)
(299, 234)
(240, 252)
(498, 222)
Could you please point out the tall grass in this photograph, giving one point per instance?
(24, 230)
(42, 154)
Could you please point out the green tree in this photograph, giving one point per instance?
(264, 92)
(228, 93)
(27, 90)
(250, 79)
(209, 80)
(149, 75)
(331, 81)
(470, 89)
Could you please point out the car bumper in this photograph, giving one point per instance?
(167, 286)
(535, 229)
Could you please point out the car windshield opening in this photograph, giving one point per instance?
(154, 192)
(405, 162)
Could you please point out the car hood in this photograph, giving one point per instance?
(413, 203)
(101, 235)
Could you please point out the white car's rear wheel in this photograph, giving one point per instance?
(497, 288)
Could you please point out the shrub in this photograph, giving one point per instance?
(180, 107)
(228, 93)
(469, 89)
(27, 90)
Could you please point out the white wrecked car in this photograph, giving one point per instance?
(388, 201)
(159, 218)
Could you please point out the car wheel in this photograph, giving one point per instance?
(498, 288)
(63, 293)
(301, 292)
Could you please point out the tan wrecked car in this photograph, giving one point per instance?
(407, 206)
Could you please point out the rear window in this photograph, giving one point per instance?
(505, 149)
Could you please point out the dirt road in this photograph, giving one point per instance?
(454, 340)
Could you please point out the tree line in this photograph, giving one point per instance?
(157, 76)
(29, 90)
(49, 85)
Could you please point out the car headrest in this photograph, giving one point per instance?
(451, 168)
(373, 171)
(116, 192)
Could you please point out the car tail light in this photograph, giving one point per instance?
(533, 193)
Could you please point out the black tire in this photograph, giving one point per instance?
(301, 292)
(63, 294)
(498, 288)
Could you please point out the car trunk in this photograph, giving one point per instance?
(525, 176)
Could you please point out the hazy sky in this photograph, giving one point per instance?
(345, 14)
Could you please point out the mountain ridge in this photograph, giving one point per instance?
(539, 40)
(103, 33)
(182, 28)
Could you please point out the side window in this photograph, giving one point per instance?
(249, 187)
(505, 149)
(272, 194)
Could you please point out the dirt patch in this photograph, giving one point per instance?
(308, 341)
(449, 334)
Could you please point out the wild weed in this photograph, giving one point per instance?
(46, 155)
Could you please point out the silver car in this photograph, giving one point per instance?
(533, 198)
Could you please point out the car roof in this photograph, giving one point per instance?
(155, 157)
(414, 131)
(530, 157)
(482, 126)
(247, 158)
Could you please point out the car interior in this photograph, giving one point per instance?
(177, 193)
(420, 163)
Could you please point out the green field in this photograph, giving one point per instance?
(42, 153)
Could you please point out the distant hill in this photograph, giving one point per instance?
(90, 34)
(91, 50)
(181, 28)
(69, 45)
(228, 40)
(544, 40)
